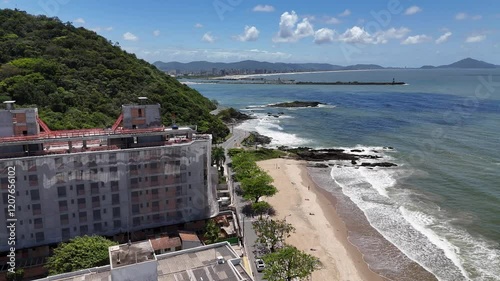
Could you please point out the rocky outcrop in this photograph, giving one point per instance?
(297, 104)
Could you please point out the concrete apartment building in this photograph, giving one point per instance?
(136, 175)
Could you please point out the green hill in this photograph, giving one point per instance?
(79, 79)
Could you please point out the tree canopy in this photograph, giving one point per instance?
(79, 253)
(212, 232)
(271, 233)
(288, 264)
(79, 79)
(258, 185)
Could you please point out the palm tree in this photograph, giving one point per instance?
(218, 157)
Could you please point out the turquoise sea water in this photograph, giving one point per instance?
(441, 205)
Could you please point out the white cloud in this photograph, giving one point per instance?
(332, 20)
(251, 33)
(391, 33)
(263, 8)
(324, 35)
(475, 38)
(130, 37)
(443, 38)
(465, 16)
(207, 37)
(109, 28)
(198, 25)
(461, 16)
(290, 31)
(356, 35)
(345, 13)
(79, 20)
(156, 33)
(413, 10)
(417, 39)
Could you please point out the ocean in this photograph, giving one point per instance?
(441, 205)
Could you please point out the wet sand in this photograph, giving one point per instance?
(323, 232)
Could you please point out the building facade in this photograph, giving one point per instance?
(102, 181)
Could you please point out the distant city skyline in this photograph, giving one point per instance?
(390, 33)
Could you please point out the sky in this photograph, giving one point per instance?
(386, 32)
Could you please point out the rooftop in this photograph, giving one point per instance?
(192, 264)
(127, 254)
(189, 236)
(165, 243)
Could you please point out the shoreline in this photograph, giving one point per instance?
(309, 213)
(312, 207)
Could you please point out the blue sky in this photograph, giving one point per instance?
(389, 32)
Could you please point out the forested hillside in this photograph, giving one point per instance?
(79, 79)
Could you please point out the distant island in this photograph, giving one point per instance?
(205, 68)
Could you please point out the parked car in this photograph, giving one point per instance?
(260, 265)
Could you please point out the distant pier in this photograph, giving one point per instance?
(293, 82)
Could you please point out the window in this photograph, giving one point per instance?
(40, 236)
(115, 199)
(38, 223)
(82, 217)
(97, 226)
(81, 203)
(94, 188)
(112, 158)
(35, 195)
(135, 209)
(117, 224)
(116, 212)
(61, 191)
(97, 215)
(64, 219)
(33, 180)
(114, 186)
(113, 169)
(136, 221)
(80, 189)
(63, 206)
(95, 202)
(84, 230)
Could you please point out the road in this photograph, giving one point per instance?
(248, 233)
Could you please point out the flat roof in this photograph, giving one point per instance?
(127, 254)
(192, 264)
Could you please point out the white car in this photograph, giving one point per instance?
(260, 265)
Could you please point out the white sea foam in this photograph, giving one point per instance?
(374, 192)
(421, 230)
(270, 126)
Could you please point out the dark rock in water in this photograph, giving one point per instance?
(370, 156)
(297, 104)
(319, 165)
(231, 115)
(357, 150)
(353, 162)
(381, 164)
(324, 155)
(256, 138)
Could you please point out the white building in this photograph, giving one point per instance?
(136, 176)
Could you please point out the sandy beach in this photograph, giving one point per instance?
(319, 230)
